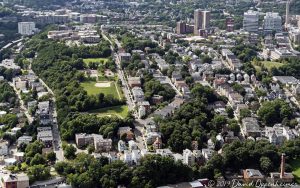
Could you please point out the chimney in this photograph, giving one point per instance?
(282, 166)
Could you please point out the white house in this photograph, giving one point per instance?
(3, 147)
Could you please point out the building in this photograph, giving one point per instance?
(250, 21)
(45, 135)
(181, 27)
(282, 176)
(14, 180)
(121, 146)
(229, 24)
(100, 143)
(188, 157)
(250, 127)
(252, 175)
(272, 22)
(134, 82)
(26, 28)
(3, 147)
(124, 57)
(201, 20)
(138, 94)
(24, 139)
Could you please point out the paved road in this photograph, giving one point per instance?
(55, 130)
(22, 106)
(121, 75)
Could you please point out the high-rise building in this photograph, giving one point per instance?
(198, 21)
(250, 21)
(229, 24)
(26, 28)
(272, 22)
(287, 13)
(181, 27)
(201, 19)
(206, 19)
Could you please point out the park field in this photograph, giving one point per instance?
(95, 60)
(119, 111)
(267, 64)
(105, 87)
(295, 164)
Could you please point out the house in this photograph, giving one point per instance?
(176, 75)
(102, 144)
(45, 135)
(127, 157)
(157, 144)
(152, 136)
(250, 127)
(14, 180)
(134, 82)
(19, 156)
(132, 145)
(164, 152)
(145, 104)
(3, 147)
(127, 131)
(136, 156)
(157, 99)
(278, 134)
(124, 57)
(142, 112)
(83, 139)
(121, 146)
(252, 175)
(138, 94)
(207, 153)
(235, 98)
(24, 139)
(188, 157)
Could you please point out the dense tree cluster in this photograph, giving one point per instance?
(192, 121)
(290, 67)
(245, 53)
(154, 87)
(130, 42)
(7, 93)
(276, 111)
(58, 66)
(88, 123)
(86, 171)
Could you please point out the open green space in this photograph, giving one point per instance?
(95, 60)
(295, 164)
(120, 111)
(113, 89)
(267, 64)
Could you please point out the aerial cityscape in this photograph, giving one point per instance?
(149, 93)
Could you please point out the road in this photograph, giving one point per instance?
(22, 106)
(55, 130)
(121, 75)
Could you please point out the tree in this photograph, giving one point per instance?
(38, 159)
(70, 152)
(266, 164)
(38, 172)
(272, 112)
(51, 157)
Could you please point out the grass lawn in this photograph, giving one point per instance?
(95, 60)
(268, 65)
(295, 164)
(120, 111)
(113, 90)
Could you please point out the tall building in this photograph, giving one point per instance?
(272, 22)
(229, 24)
(287, 13)
(250, 21)
(181, 27)
(26, 28)
(198, 21)
(201, 19)
(206, 19)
